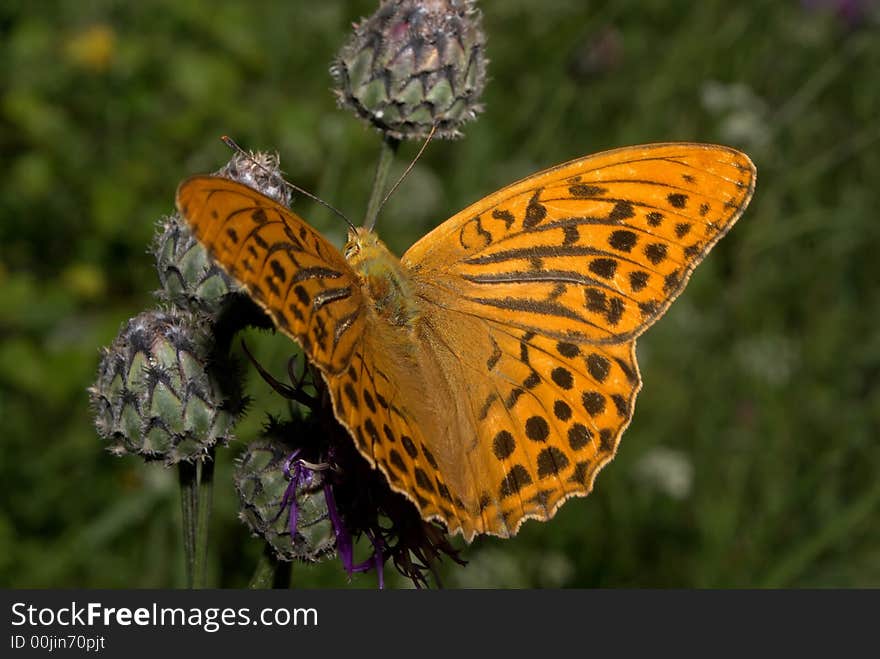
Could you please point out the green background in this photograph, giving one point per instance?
(753, 457)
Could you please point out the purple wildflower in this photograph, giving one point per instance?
(345, 547)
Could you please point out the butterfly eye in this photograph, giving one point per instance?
(351, 249)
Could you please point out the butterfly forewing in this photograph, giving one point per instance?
(595, 249)
(313, 296)
(287, 267)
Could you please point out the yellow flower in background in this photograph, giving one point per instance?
(92, 48)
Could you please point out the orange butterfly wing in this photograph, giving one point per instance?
(288, 268)
(534, 297)
(621, 230)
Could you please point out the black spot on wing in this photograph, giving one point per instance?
(537, 429)
(682, 229)
(516, 479)
(409, 446)
(503, 445)
(655, 253)
(598, 367)
(585, 190)
(594, 402)
(562, 410)
(622, 240)
(604, 268)
(423, 481)
(551, 461)
(504, 216)
(623, 210)
(579, 436)
(677, 200)
(535, 211)
(672, 281)
(278, 269)
(567, 349)
(638, 280)
(562, 377)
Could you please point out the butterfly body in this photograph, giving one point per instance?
(383, 279)
(490, 372)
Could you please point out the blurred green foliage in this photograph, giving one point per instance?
(753, 456)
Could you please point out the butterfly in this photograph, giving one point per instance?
(490, 372)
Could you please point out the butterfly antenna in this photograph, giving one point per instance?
(404, 175)
(228, 141)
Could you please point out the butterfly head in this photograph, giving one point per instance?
(382, 276)
(364, 248)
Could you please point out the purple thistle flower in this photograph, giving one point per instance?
(299, 472)
(282, 498)
(289, 498)
(345, 547)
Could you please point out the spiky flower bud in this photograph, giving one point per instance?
(261, 171)
(282, 499)
(414, 64)
(156, 396)
(189, 278)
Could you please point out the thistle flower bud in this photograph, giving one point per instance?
(189, 278)
(155, 396)
(261, 171)
(414, 64)
(282, 499)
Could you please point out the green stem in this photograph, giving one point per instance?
(189, 507)
(196, 492)
(270, 572)
(264, 574)
(380, 181)
(205, 495)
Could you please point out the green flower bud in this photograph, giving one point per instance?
(155, 395)
(414, 64)
(260, 171)
(189, 278)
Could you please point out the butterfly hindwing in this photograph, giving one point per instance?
(394, 429)
(287, 267)
(551, 420)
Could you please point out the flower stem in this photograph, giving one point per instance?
(380, 181)
(206, 496)
(196, 493)
(264, 574)
(189, 504)
(270, 572)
